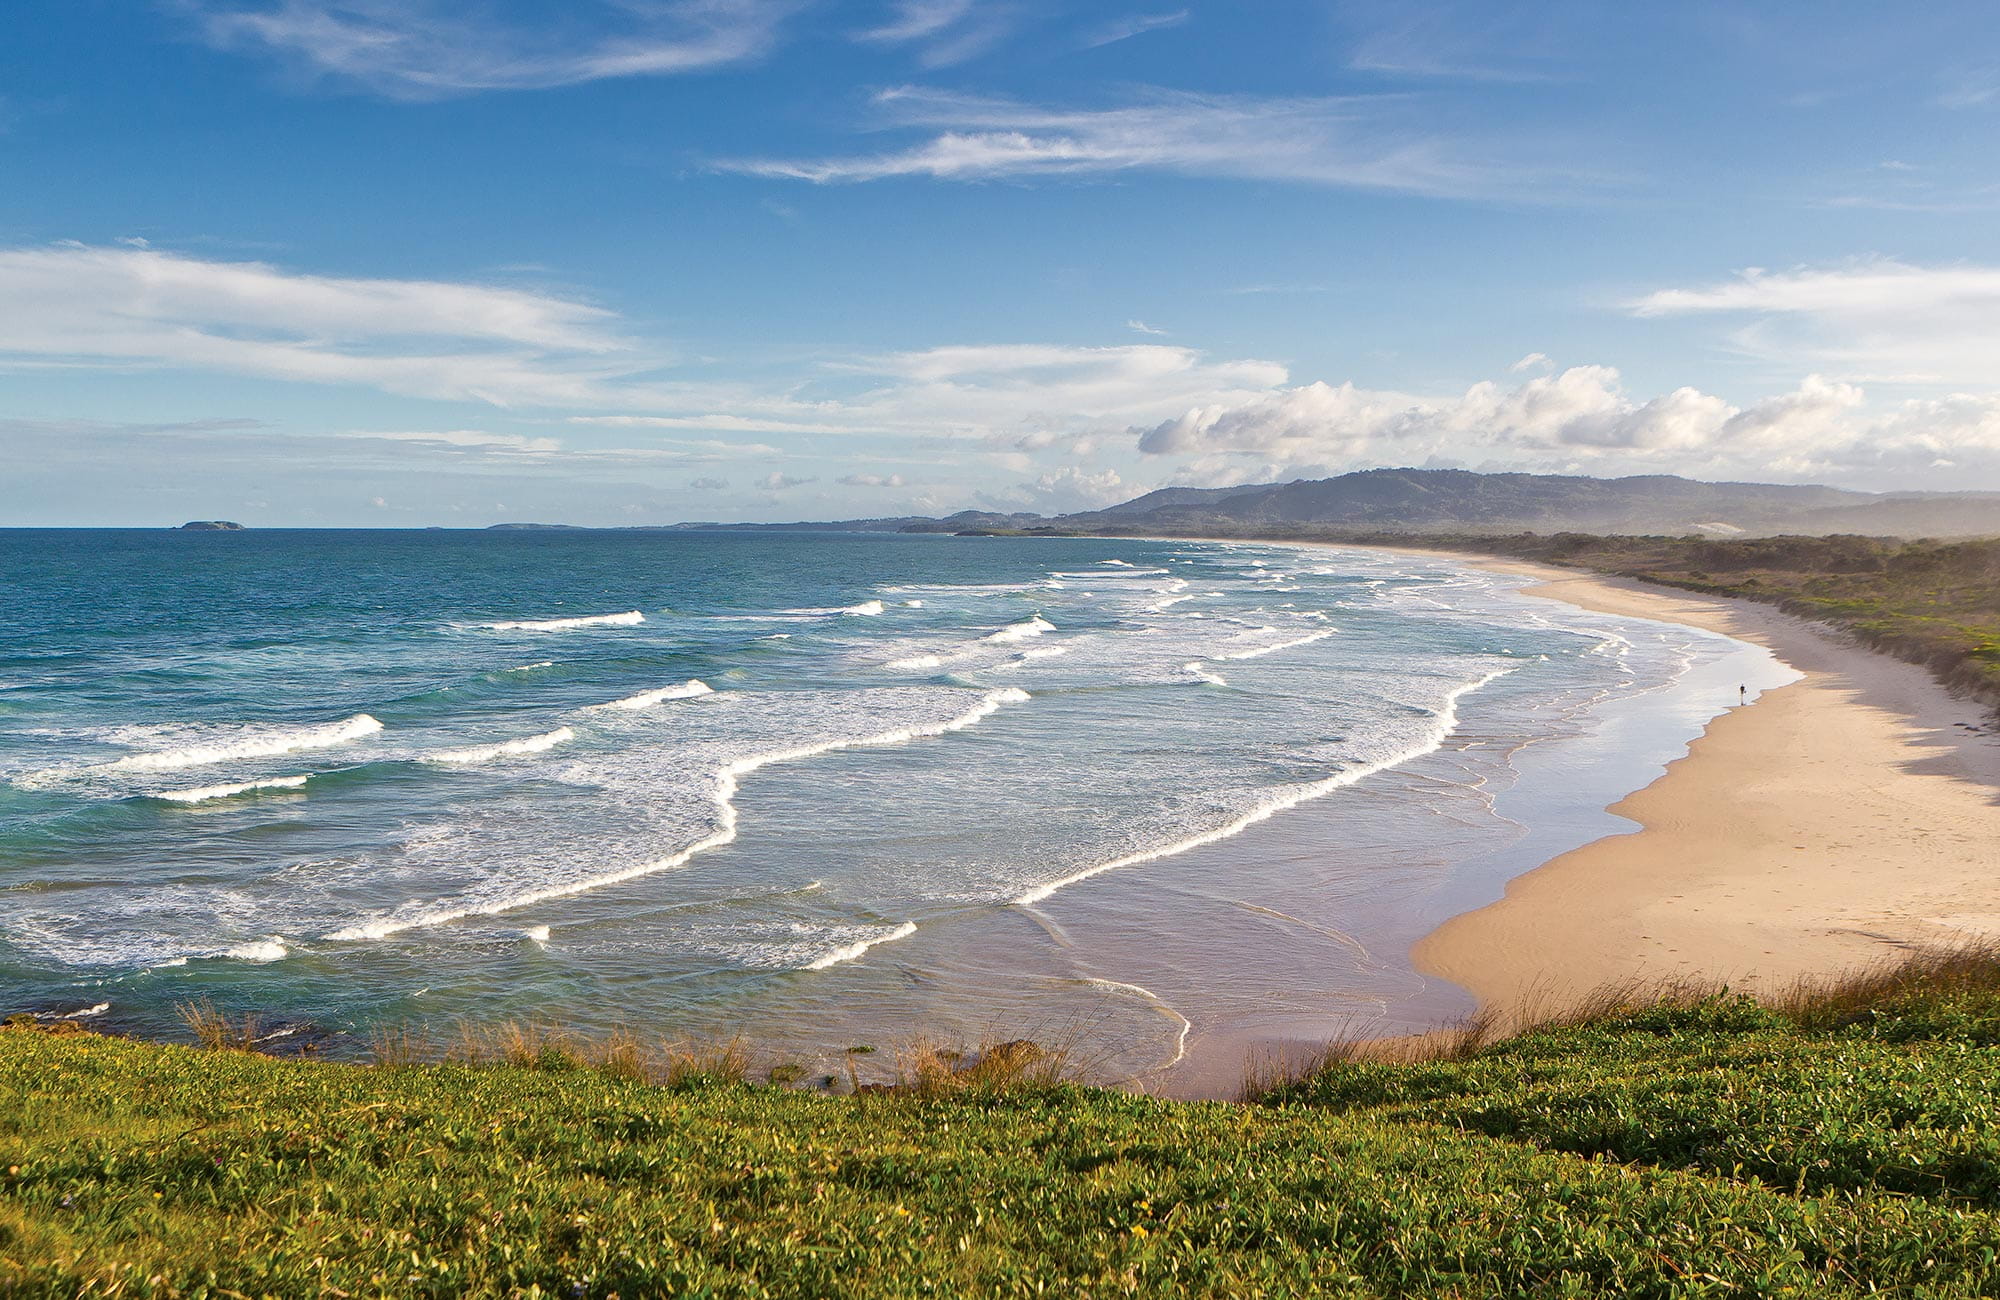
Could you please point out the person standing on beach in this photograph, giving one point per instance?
(1743, 695)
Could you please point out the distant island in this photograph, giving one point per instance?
(211, 526)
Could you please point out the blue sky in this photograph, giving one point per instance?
(358, 262)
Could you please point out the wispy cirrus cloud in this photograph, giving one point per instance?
(1883, 319)
(428, 49)
(80, 306)
(945, 32)
(1130, 25)
(1357, 143)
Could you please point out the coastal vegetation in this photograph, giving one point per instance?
(1843, 1141)
(1934, 603)
(1930, 602)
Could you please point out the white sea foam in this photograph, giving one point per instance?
(504, 749)
(854, 950)
(628, 619)
(913, 604)
(916, 661)
(86, 1013)
(728, 781)
(1022, 631)
(1121, 563)
(269, 950)
(202, 794)
(686, 690)
(1158, 1004)
(255, 744)
(1262, 650)
(528, 668)
(537, 935)
(1444, 722)
(866, 607)
(1201, 673)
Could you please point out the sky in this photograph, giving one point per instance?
(399, 263)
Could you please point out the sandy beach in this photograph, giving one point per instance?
(1822, 827)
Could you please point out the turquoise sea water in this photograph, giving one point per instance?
(824, 788)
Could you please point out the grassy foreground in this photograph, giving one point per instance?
(1848, 1146)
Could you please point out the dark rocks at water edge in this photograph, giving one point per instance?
(211, 526)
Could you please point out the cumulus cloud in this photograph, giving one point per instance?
(1574, 418)
(426, 49)
(1358, 143)
(1885, 320)
(873, 480)
(1073, 488)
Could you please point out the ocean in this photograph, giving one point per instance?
(821, 790)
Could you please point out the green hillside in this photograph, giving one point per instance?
(1711, 1149)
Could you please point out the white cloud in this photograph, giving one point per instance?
(1533, 361)
(709, 484)
(71, 305)
(1062, 491)
(423, 49)
(1123, 29)
(948, 31)
(1884, 320)
(874, 480)
(1578, 418)
(472, 438)
(775, 482)
(1359, 143)
(1141, 327)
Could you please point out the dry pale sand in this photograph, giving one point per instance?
(1823, 827)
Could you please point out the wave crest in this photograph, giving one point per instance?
(504, 749)
(254, 745)
(629, 618)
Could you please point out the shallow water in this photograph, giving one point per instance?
(825, 789)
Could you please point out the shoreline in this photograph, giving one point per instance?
(1823, 827)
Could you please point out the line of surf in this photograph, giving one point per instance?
(728, 782)
(1445, 722)
(504, 749)
(258, 744)
(860, 948)
(629, 618)
(1263, 650)
(202, 794)
(686, 690)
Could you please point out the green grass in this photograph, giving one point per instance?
(1848, 1145)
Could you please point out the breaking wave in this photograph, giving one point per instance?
(629, 618)
(686, 690)
(1444, 722)
(728, 781)
(504, 749)
(1022, 631)
(202, 794)
(1262, 650)
(257, 744)
(854, 950)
